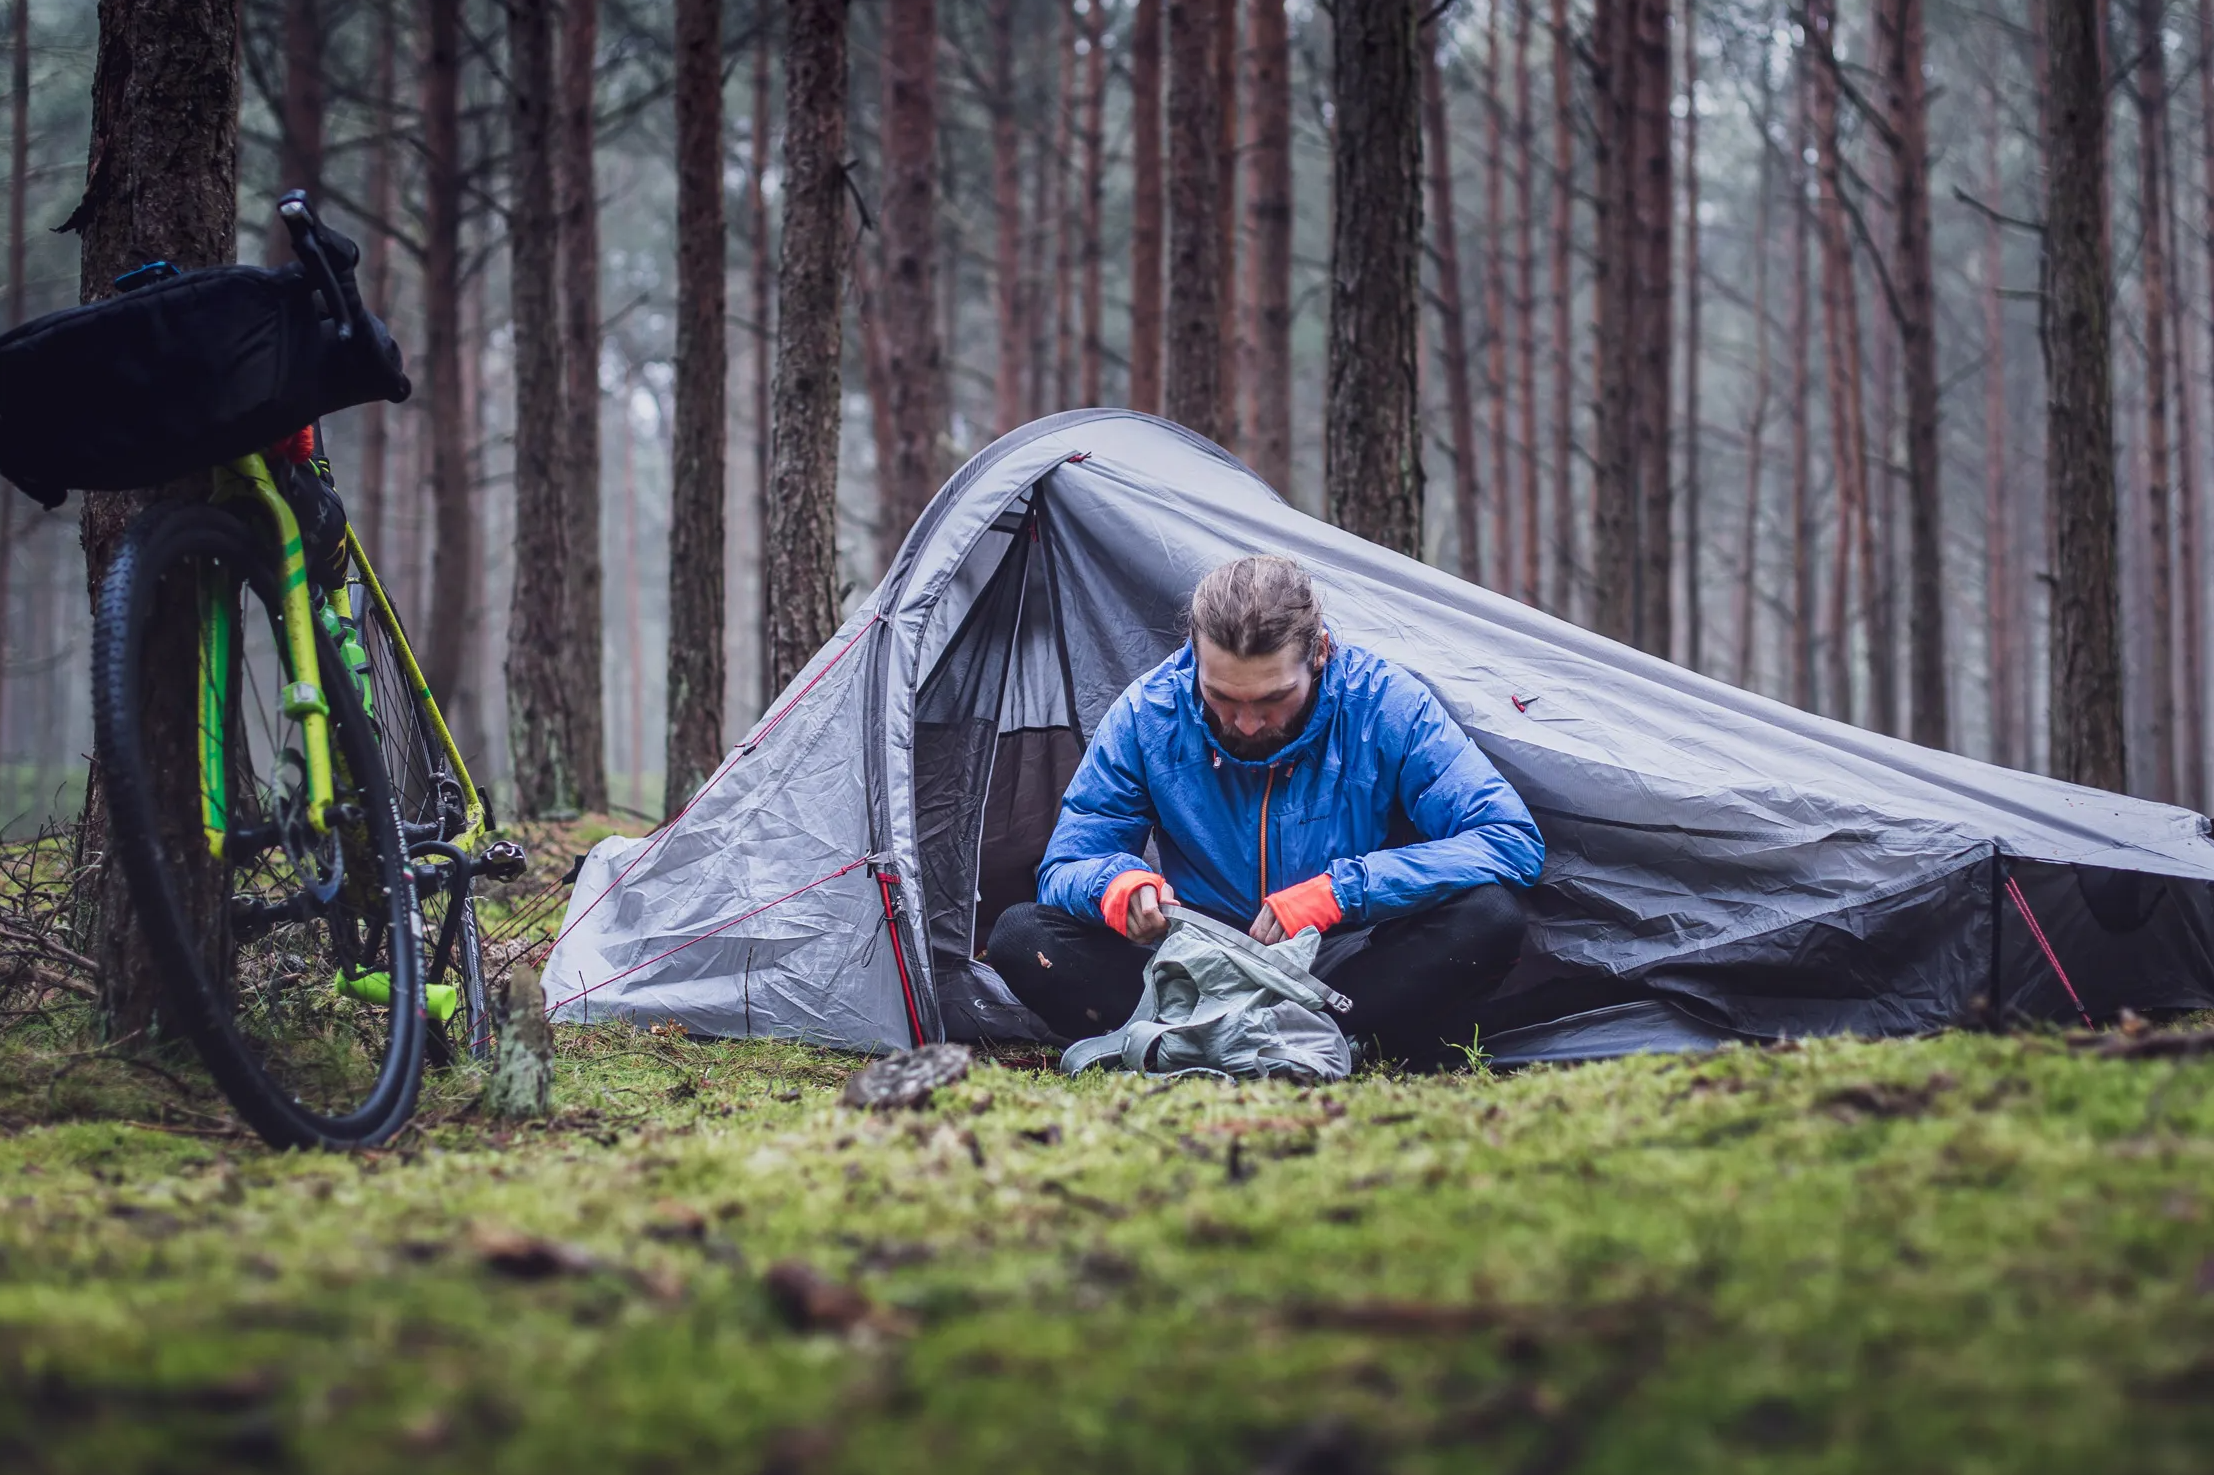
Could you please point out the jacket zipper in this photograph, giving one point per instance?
(1266, 790)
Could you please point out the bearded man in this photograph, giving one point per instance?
(1278, 775)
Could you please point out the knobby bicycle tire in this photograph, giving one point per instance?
(369, 917)
(433, 812)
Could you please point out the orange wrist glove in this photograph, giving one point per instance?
(1311, 903)
(1114, 905)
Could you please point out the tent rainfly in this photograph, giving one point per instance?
(1719, 866)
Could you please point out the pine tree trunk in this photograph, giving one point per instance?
(1092, 353)
(1997, 524)
(1064, 219)
(1372, 462)
(695, 692)
(580, 446)
(2195, 579)
(1654, 283)
(539, 724)
(1230, 118)
(454, 570)
(1614, 472)
(1802, 666)
(1452, 316)
(300, 117)
(802, 541)
(2152, 109)
(1503, 503)
(1841, 334)
(634, 623)
(1918, 343)
(161, 183)
(1146, 207)
(914, 360)
(762, 271)
(1268, 204)
(2087, 742)
(366, 507)
(2191, 695)
(1756, 419)
(1563, 601)
(1007, 255)
(1525, 306)
(1694, 624)
(19, 155)
(1193, 392)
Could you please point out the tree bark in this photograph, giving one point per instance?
(1007, 293)
(1997, 524)
(2190, 689)
(1268, 205)
(2087, 739)
(1452, 316)
(1063, 217)
(538, 718)
(634, 624)
(1496, 387)
(300, 118)
(1756, 419)
(1918, 344)
(1841, 333)
(1802, 667)
(2195, 676)
(1092, 353)
(762, 271)
(2160, 671)
(802, 542)
(1654, 282)
(914, 359)
(1195, 288)
(1228, 399)
(1563, 601)
(367, 508)
(1614, 480)
(19, 156)
(454, 562)
(1372, 462)
(696, 493)
(580, 354)
(161, 183)
(1145, 207)
(1694, 624)
(1525, 305)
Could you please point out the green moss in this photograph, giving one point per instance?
(1960, 1253)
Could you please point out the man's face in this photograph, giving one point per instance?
(1255, 701)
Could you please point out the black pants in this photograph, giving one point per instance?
(1416, 981)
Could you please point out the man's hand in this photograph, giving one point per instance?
(1266, 928)
(1144, 923)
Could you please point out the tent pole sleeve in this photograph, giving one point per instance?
(885, 881)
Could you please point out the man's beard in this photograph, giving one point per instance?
(1269, 741)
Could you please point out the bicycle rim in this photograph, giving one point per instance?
(301, 985)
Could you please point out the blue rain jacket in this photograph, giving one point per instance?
(1231, 831)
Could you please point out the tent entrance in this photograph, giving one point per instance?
(997, 740)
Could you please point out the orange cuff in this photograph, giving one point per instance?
(1311, 903)
(1114, 905)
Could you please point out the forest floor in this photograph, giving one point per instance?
(1960, 1253)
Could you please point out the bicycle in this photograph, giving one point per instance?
(328, 792)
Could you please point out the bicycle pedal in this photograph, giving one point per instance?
(503, 860)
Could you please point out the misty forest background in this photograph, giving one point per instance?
(1805, 373)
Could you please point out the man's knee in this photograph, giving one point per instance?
(1486, 921)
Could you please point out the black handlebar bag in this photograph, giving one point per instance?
(177, 376)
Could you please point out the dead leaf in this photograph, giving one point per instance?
(1393, 1318)
(676, 1221)
(528, 1257)
(1070, 1196)
(810, 1301)
(906, 1079)
(1886, 1099)
(1048, 1135)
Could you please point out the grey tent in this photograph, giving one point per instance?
(1719, 866)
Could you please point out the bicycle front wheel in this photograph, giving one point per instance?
(299, 979)
(434, 815)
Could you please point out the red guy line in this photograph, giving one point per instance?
(2021, 904)
(851, 865)
(669, 828)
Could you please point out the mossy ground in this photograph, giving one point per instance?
(1964, 1253)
